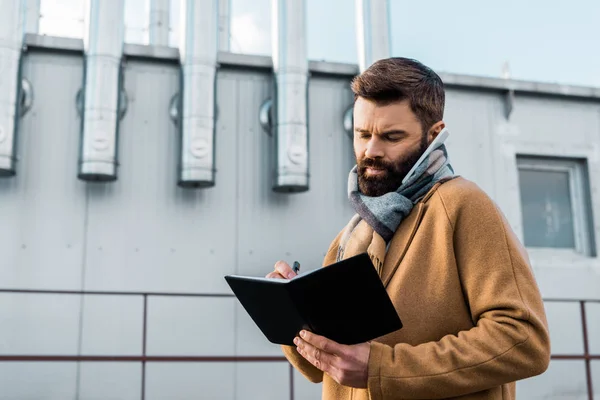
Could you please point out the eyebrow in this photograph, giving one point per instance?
(386, 133)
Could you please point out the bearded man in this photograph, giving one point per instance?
(474, 320)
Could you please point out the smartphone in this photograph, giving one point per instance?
(441, 138)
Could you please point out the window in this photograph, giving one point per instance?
(555, 204)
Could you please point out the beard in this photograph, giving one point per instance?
(394, 172)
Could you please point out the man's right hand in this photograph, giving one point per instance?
(282, 271)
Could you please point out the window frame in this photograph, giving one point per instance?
(579, 195)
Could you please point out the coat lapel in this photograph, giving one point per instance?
(404, 236)
(400, 242)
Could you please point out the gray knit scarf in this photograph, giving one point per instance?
(385, 213)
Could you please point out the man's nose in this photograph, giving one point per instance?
(374, 148)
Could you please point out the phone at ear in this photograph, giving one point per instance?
(440, 138)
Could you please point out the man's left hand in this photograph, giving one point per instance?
(347, 365)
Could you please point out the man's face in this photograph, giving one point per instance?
(388, 141)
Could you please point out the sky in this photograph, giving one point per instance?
(541, 40)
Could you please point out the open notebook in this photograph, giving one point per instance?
(345, 302)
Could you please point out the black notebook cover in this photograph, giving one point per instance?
(345, 302)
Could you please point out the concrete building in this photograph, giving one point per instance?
(114, 243)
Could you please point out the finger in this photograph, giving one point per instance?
(284, 269)
(324, 361)
(275, 275)
(321, 342)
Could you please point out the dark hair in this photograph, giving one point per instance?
(395, 79)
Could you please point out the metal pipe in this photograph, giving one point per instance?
(198, 52)
(290, 66)
(373, 31)
(33, 16)
(159, 22)
(224, 24)
(12, 32)
(103, 47)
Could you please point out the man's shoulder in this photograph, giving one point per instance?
(460, 187)
(461, 193)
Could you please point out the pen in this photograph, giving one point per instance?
(296, 267)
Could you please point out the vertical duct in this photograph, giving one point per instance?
(159, 22)
(103, 46)
(12, 32)
(224, 24)
(33, 16)
(373, 41)
(373, 31)
(198, 52)
(291, 93)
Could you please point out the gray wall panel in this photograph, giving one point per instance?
(592, 311)
(146, 234)
(543, 120)
(563, 380)
(39, 324)
(305, 389)
(112, 325)
(331, 158)
(568, 281)
(171, 381)
(110, 381)
(42, 208)
(566, 333)
(262, 381)
(190, 326)
(33, 381)
(470, 118)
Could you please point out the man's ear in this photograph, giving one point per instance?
(435, 130)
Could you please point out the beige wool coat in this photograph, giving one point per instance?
(474, 321)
